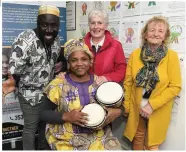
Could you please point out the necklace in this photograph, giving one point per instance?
(48, 51)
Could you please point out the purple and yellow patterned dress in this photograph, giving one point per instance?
(70, 95)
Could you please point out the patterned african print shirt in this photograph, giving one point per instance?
(29, 60)
(69, 95)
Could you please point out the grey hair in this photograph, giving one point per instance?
(98, 12)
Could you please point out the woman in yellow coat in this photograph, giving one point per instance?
(153, 79)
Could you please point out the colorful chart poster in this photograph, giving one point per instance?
(177, 28)
(113, 9)
(130, 8)
(84, 8)
(113, 27)
(84, 29)
(151, 7)
(129, 35)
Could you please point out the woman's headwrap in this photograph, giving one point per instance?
(76, 45)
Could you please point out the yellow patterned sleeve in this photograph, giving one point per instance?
(53, 90)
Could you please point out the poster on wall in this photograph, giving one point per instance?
(130, 8)
(174, 8)
(86, 6)
(151, 7)
(129, 35)
(12, 119)
(71, 15)
(84, 29)
(97, 4)
(113, 27)
(113, 9)
(177, 37)
(16, 18)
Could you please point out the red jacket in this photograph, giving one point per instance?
(109, 61)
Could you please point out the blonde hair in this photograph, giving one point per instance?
(160, 19)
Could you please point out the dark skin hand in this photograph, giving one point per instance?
(112, 114)
(76, 117)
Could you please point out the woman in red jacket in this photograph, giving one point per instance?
(109, 60)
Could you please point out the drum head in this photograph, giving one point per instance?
(96, 114)
(109, 93)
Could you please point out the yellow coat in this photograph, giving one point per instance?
(161, 98)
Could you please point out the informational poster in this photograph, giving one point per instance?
(18, 17)
(114, 29)
(71, 15)
(12, 117)
(113, 9)
(130, 8)
(151, 7)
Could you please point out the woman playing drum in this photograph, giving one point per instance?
(66, 128)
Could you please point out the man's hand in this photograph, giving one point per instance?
(100, 80)
(146, 111)
(61, 75)
(8, 85)
(75, 117)
(112, 114)
(58, 67)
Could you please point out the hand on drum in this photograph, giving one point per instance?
(61, 75)
(75, 117)
(100, 80)
(112, 114)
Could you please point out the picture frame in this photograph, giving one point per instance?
(71, 15)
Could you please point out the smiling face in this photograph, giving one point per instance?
(97, 27)
(48, 27)
(156, 33)
(79, 63)
(4, 65)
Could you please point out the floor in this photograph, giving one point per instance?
(15, 146)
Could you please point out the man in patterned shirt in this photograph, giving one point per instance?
(33, 57)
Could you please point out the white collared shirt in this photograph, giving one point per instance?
(99, 44)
